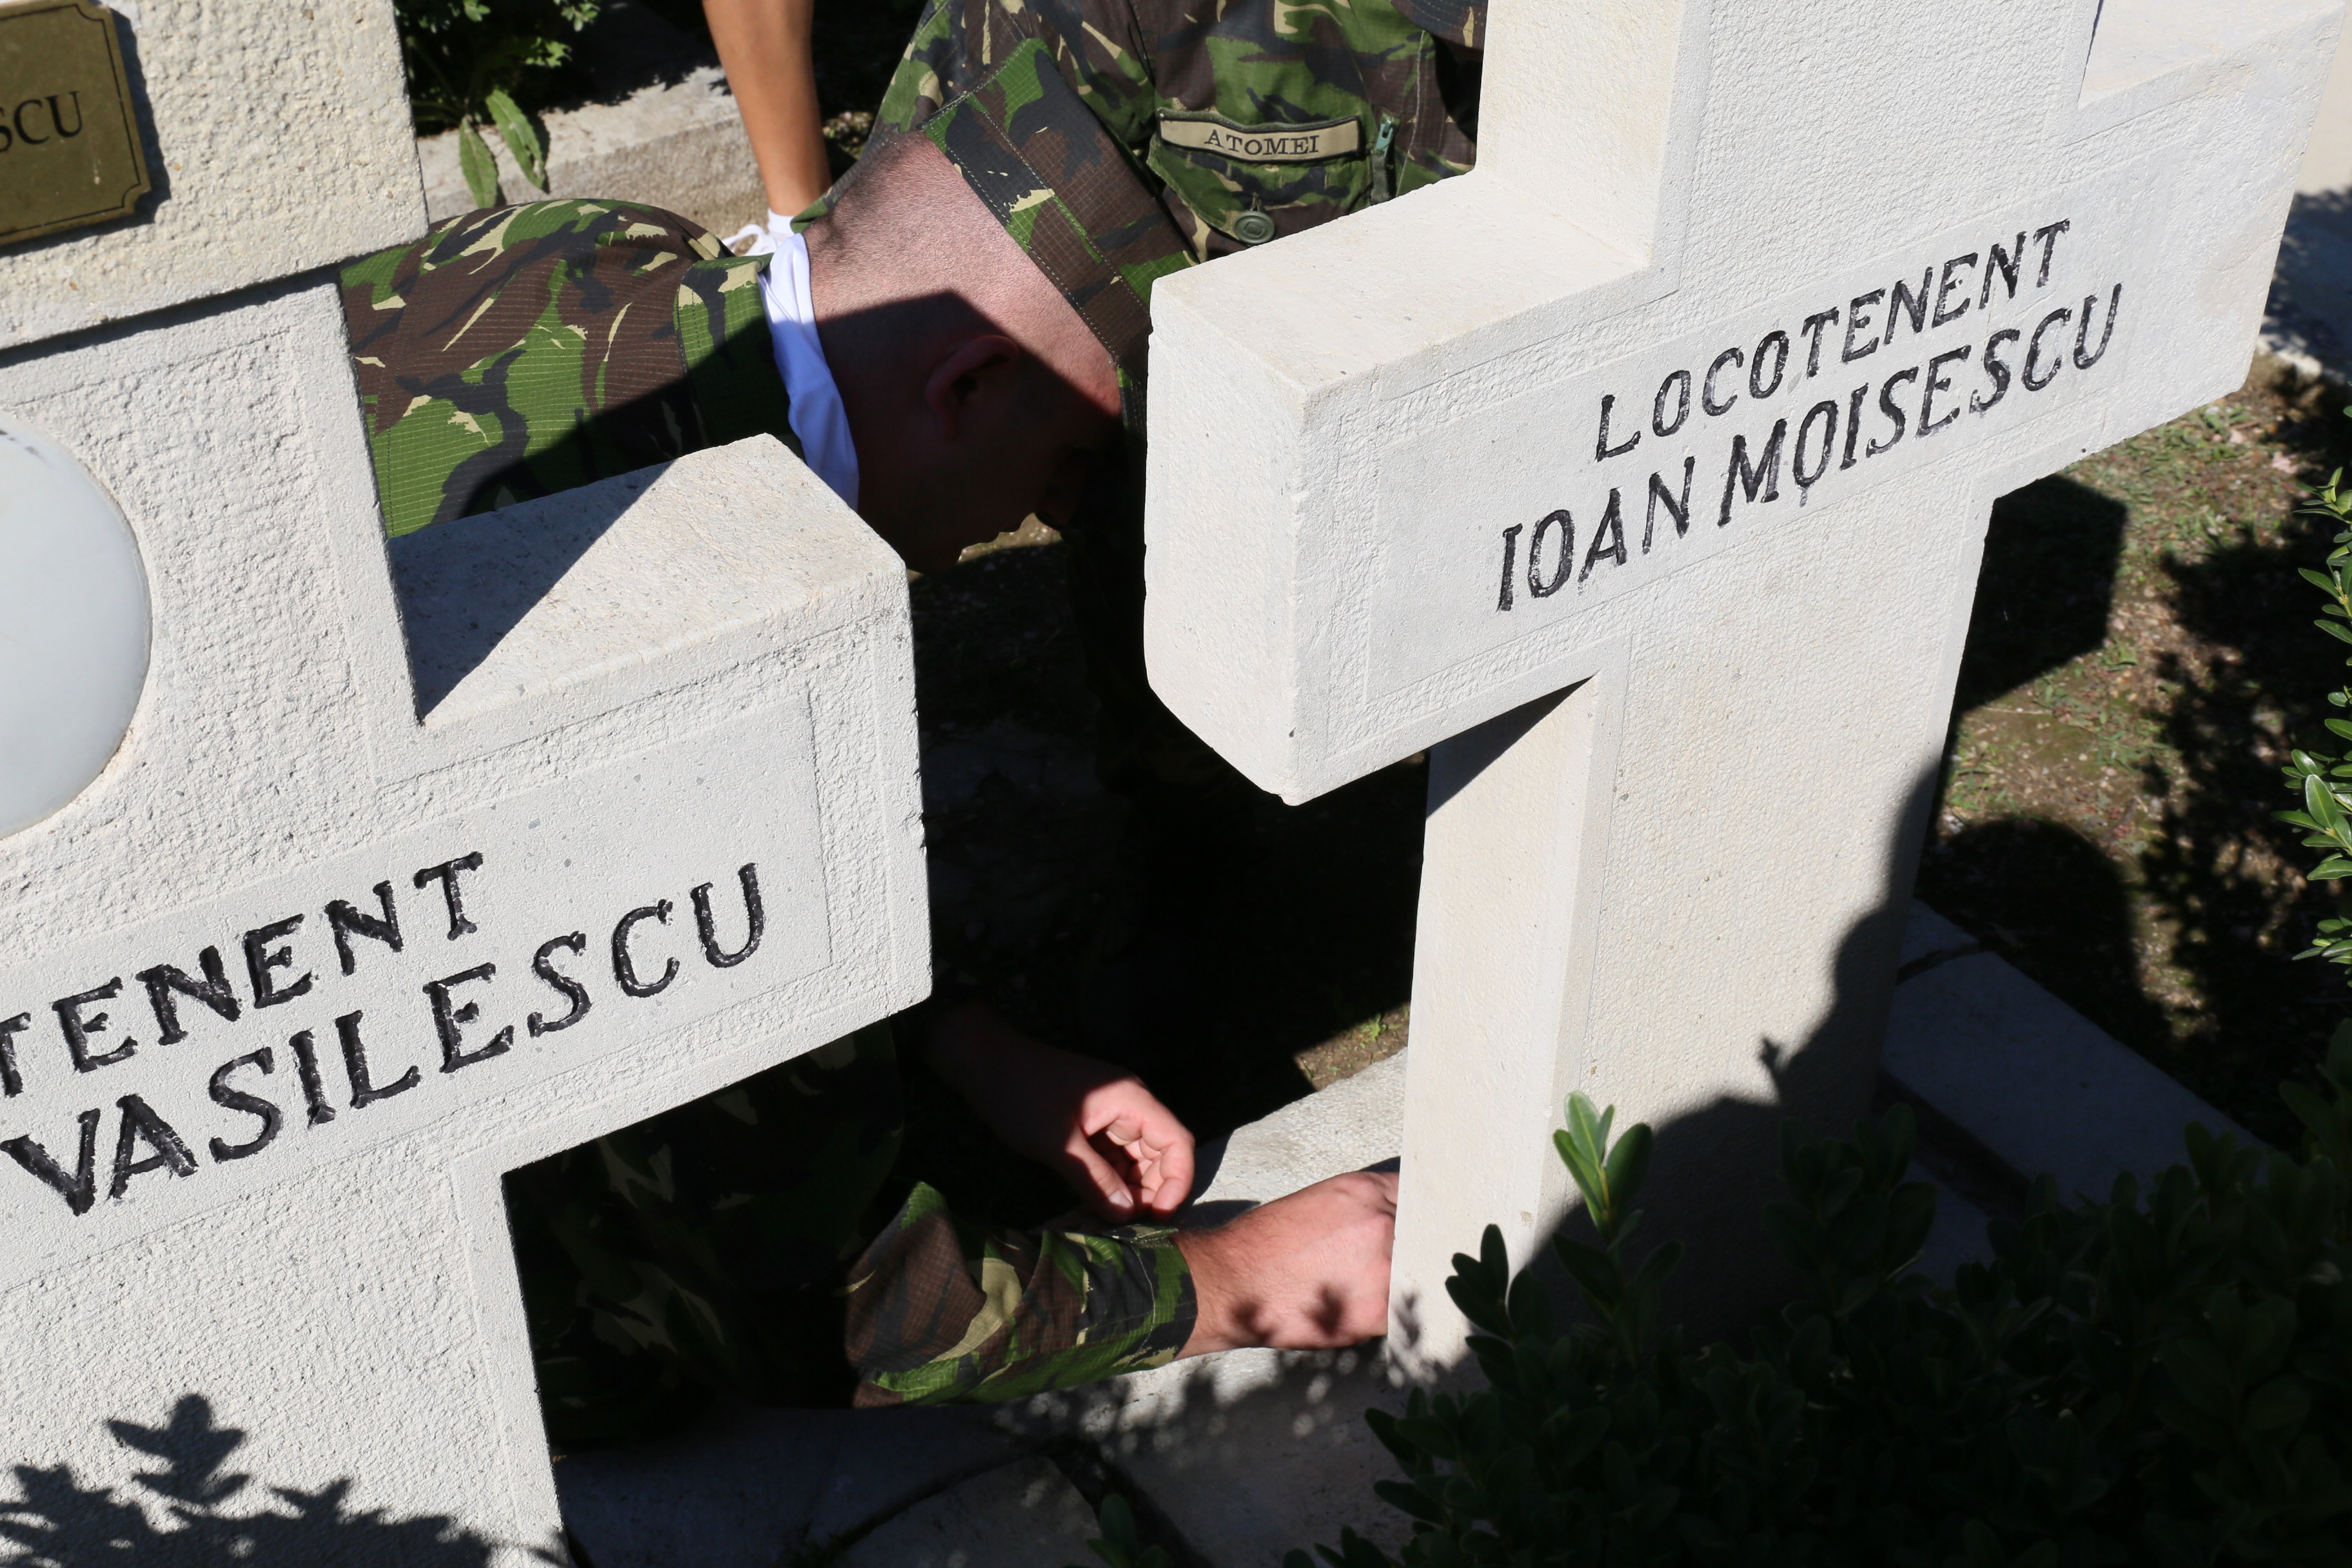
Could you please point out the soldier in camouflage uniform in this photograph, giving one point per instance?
(706, 1249)
(512, 353)
(1238, 122)
(1298, 113)
(1242, 123)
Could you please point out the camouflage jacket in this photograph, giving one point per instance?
(742, 1242)
(521, 351)
(1248, 121)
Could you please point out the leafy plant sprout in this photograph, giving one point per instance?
(467, 58)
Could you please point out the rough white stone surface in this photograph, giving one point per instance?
(1679, 887)
(582, 585)
(342, 1290)
(278, 139)
(677, 145)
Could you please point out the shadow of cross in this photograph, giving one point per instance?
(1644, 473)
(299, 974)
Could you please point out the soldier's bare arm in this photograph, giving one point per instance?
(764, 45)
(1309, 1271)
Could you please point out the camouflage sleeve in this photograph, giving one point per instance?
(943, 1311)
(521, 351)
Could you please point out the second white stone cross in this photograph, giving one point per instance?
(1643, 475)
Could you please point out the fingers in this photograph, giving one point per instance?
(1092, 1178)
(1175, 1174)
(1147, 1135)
(1307, 1271)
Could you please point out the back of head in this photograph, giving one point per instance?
(975, 391)
(909, 252)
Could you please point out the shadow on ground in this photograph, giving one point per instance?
(60, 1521)
(2166, 902)
(1201, 1438)
(2046, 587)
(1303, 944)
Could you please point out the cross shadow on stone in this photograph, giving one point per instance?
(464, 584)
(61, 1521)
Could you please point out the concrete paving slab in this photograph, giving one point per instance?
(888, 1460)
(1255, 1452)
(745, 1485)
(1022, 1515)
(2039, 1087)
(1354, 1125)
(1928, 939)
(665, 131)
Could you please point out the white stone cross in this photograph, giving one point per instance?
(299, 973)
(1642, 475)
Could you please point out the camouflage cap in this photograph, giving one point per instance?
(1065, 190)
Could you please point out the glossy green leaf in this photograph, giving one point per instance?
(520, 136)
(481, 170)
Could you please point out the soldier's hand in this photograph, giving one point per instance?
(1119, 1149)
(1309, 1271)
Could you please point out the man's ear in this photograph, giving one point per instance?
(970, 372)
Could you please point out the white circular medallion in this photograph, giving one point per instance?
(73, 627)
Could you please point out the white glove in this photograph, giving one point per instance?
(755, 239)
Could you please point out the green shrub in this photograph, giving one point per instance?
(1121, 1543)
(2162, 1378)
(2323, 779)
(469, 61)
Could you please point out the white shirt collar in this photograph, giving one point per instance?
(817, 417)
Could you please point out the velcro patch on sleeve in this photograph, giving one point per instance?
(1263, 143)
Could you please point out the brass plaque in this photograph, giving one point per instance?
(70, 153)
